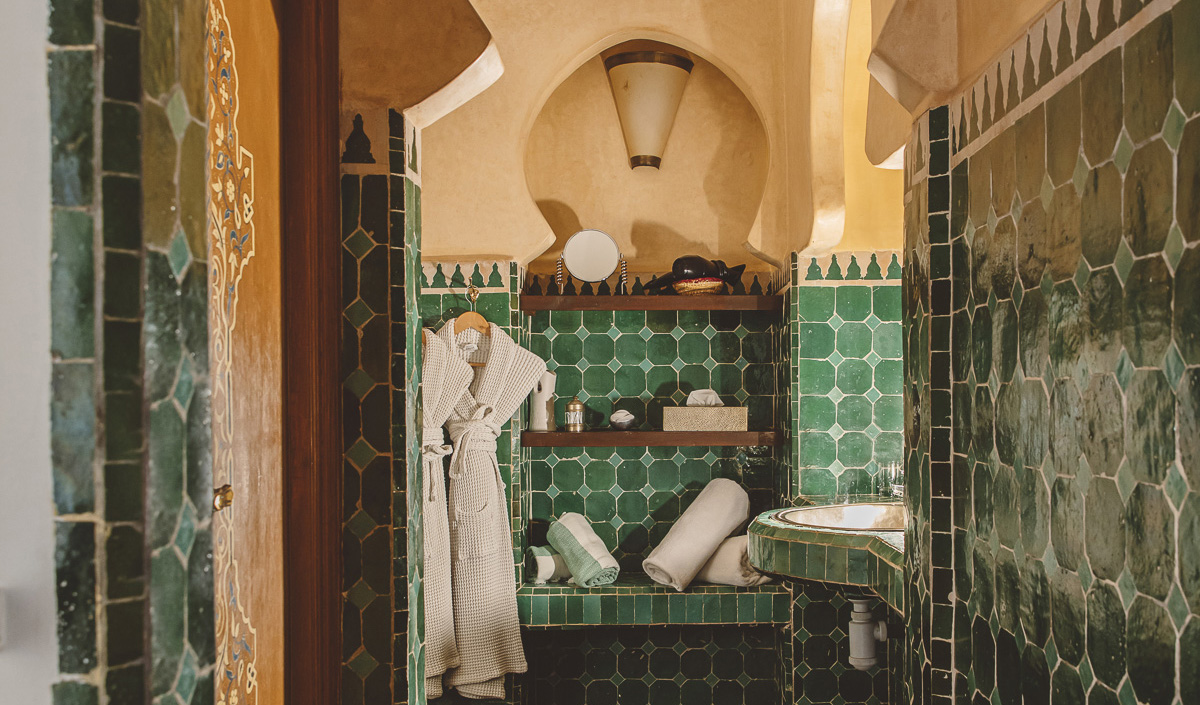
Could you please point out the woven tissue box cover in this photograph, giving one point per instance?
(705, 418)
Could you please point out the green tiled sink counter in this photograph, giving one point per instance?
(869, 559)
(636, 599)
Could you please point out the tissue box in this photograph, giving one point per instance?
(705, 418)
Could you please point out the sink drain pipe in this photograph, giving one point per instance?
(865, 630)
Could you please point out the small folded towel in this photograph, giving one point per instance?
(730, 565)
(544, 564)
(586, 556)
(720, 508)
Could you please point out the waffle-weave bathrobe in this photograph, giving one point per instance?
(485, 603)
(445, 378)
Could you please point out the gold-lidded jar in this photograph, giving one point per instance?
(574, 415)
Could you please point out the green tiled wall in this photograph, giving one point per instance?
(642, 361)
(130, 440)
(686, 664)
(373, 480)
(1062, 373)
(846, 390)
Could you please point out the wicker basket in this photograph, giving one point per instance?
(699, 287)
(705, 418)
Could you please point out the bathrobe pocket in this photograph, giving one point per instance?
(476, 526)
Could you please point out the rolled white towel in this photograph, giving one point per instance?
(586, 556)
(544, 564)
(730, 565)
(721, 507)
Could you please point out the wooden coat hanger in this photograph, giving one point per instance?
(472, 319)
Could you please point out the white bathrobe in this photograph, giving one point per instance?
(445, 378)
(485, 603)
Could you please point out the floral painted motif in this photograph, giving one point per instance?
(231, 239)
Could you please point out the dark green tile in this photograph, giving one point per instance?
(1149, 78)
(1148, 198)
(1186, 309)
(1189, 425)
(1101, 86)
(1063, 133)
(815, 303)
(1147, 330)
(1106, 634)
(121, 146)
(1186, 23)
(122, 66)
(123, 11)
(1030, 147)
(73, 439)
(75, 579)
(122, 198)
(125, 632)
(72, 288)
(72, 131)
(71, 22)
(853, 303)
(122, 284)
(192, 194)
(122, 492)
(122, 355)
(1187, 212)
(123, 426)
(168, 604)
(125, 563)
(1151, 650)
(159, 168)
(1105, 529)
(75, 693)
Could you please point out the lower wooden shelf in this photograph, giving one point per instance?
(613, 439)
(635, 599)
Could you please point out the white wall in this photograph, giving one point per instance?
(28, 661)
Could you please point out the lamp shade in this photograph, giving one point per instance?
(647, 85)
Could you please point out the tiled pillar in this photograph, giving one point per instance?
(373, 622)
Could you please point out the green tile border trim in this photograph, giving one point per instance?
(635, 599)
(872, 559)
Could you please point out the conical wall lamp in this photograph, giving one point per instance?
(647, 80)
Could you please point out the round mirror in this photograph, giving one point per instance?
(591, 255)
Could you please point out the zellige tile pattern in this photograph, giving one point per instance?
(1073, 485)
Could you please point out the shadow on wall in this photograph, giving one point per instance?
(704, 200)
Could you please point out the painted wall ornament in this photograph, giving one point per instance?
(231, 243)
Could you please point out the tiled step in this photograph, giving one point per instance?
(635, 599)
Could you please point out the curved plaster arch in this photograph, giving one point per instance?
(594, 49)
(826, 124)
(767, 47)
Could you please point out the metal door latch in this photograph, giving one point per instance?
(222, 497)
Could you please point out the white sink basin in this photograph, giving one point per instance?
(873, 516)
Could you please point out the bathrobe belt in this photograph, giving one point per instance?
(433, 449)
(478, 433)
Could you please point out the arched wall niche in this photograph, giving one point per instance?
(786, 56)
(480, 149)
(705, 199)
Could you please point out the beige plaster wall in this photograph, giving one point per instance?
(475, 198)
(987, 28)
(703, 201)
(396, 53)
(874, 196)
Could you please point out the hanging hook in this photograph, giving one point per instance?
(472, 295)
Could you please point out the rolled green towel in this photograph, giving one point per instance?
(587, 557)
(543, 564)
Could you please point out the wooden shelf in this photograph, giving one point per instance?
(622, 439)
(717, 302)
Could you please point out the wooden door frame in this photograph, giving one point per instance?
(311, 313)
